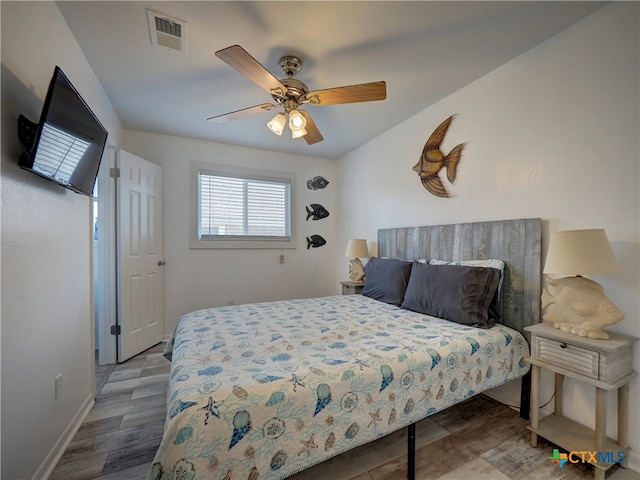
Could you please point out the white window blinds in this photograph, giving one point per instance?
(243, 207)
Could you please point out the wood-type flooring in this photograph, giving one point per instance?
(480, 439)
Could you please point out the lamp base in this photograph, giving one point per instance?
(579, 306)
(356, 271)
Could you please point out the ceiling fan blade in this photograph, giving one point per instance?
(263, 107)
(238, 58)
(313, 134)
(363, 92)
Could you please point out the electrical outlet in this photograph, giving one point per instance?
(282, 258)
(58, 386)
(232, 302)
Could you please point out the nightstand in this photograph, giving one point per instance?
(605, 364)
(350, 288)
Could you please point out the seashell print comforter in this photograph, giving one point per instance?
(262, 391)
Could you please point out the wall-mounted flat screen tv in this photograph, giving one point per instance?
(67, 145)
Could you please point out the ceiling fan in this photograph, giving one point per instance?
(290, 93)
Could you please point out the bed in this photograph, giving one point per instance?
(265, 390)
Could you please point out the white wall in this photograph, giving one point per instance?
(552, 134)
(46, 240)
(200, 278)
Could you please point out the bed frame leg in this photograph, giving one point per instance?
(411, 452)
(525, 396)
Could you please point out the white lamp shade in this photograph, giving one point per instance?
(580, 252)
(296, 120)
(301, 132)
(277, 123)
(357, 248)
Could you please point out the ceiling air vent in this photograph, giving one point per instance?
(166, 31)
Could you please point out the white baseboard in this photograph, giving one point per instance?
(52, 459)
(500, 397)
(508, 398)
(634, 461)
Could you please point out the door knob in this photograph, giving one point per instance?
(161, 263)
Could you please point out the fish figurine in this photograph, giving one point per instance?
(579, 306)
(316, 212)
(433, 160)
(317, 182)
(315, 241)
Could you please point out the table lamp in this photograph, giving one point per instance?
(356, 249)
(576, 304)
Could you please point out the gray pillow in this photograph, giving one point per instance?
(386, 279)
(495, 309)
(460, 294)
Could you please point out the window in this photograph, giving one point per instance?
(243, 207)
(238, 208)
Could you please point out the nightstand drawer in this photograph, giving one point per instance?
(350, 288)
(577, 359)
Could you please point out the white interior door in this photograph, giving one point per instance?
(140, 255)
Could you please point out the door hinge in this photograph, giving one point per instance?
(116, 330)
(114, 172)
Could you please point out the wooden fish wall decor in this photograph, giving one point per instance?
(433, 160)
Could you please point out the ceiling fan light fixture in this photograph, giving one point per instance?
(296, 120)
(290, 93)
(277, 124)
(300, 132)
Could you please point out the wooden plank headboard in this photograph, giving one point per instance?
(516, 242)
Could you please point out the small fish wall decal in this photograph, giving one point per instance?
(315, 211)
(315, 241)
(433, 160)
(317, 182)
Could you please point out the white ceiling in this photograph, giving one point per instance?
(424, 50)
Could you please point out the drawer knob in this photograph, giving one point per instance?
(563, 345)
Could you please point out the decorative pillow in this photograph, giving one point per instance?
(495, 309)
(386, 279)
(460, 294)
